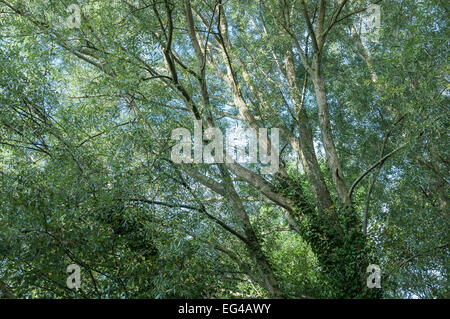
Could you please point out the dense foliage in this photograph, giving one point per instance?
(86, 115)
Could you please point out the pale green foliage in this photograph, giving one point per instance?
(85, 147)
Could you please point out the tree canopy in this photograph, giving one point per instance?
(92, 90)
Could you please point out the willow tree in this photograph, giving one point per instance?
(345, 102)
